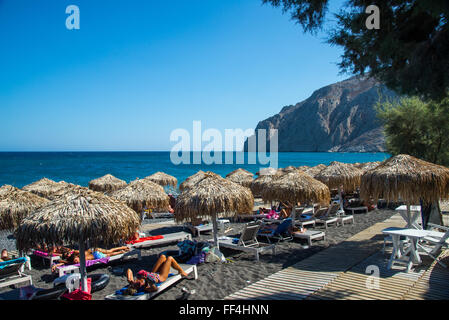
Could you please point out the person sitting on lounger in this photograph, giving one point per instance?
(147, 280)
(73, 256)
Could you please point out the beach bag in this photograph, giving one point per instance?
(215, 255)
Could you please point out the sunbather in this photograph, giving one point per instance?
(148, 280)
(73, 256)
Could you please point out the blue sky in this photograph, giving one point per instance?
(136, 70)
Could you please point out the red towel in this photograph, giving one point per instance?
(79, 294)
(144, 239)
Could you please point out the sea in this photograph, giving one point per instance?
(22, 168)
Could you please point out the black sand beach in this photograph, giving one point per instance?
(216, 280)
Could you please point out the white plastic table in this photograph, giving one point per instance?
(409, 255)
(412, 219)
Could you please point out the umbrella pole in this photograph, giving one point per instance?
(83, 267)
(409, 217)
(214, 223)
(341, 198)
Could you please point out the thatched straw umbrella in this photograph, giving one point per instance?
(241, 176)
(194, 179)
(163, 179)
(213, 196)
(141, 194)
(296, 186)
(264, 181)
(81, 216)
(289, 169)
(313, 171)
(16, 204)
(407, 178)
(267, 171)
(340, 176)
(107, 183)
(365, 166)
(45, 187)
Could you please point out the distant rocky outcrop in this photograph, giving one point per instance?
(336, 118)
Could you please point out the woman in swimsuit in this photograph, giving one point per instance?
(73, 256)
(148, 280)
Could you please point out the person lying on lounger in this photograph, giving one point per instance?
(147, 280)
(73, 256)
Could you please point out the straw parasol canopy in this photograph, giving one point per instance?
(193, 179)
(81, 216)
(263, 181)
(141, 194)
(107, 183)
(16, 204)
(289, 169)
(365, 166)
(77, 217)
(340, 174)
(241, 176)
(267, 171)
(296, 186)
(213, 196)
(407, 178)
(45, 187)
(313, 171)
(163, 179)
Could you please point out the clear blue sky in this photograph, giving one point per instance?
(138, 69)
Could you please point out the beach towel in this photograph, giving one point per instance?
(199, 258)
(4, 264)
(145, 239)
(79, 294)
(187, 246)
(44, 254)
(141, 291)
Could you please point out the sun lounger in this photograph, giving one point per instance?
(327, 216)
(357, 209)
(247, 242)
(434, 243)
(11, 274)
(310, 235)
(75, 268)
(46, 256)
(280, 232)
(188, 268)
(242, 217)
(196, 230)
(166, 239)
(161, 215)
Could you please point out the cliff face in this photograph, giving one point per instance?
(337, 118)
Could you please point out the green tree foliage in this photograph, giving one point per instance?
(418, 128)
(410, 51)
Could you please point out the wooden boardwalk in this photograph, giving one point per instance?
(340, 272)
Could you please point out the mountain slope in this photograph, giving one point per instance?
(337, 118)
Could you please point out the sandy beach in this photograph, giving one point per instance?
(216, 280)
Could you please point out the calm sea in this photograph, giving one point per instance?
(22, 168)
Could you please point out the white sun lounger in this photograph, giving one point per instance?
(196, 230)
(310, 235)
(66, 269)
(11, 274)
(167, 238)
(247, 242)
(357, 209)
(188, 268)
